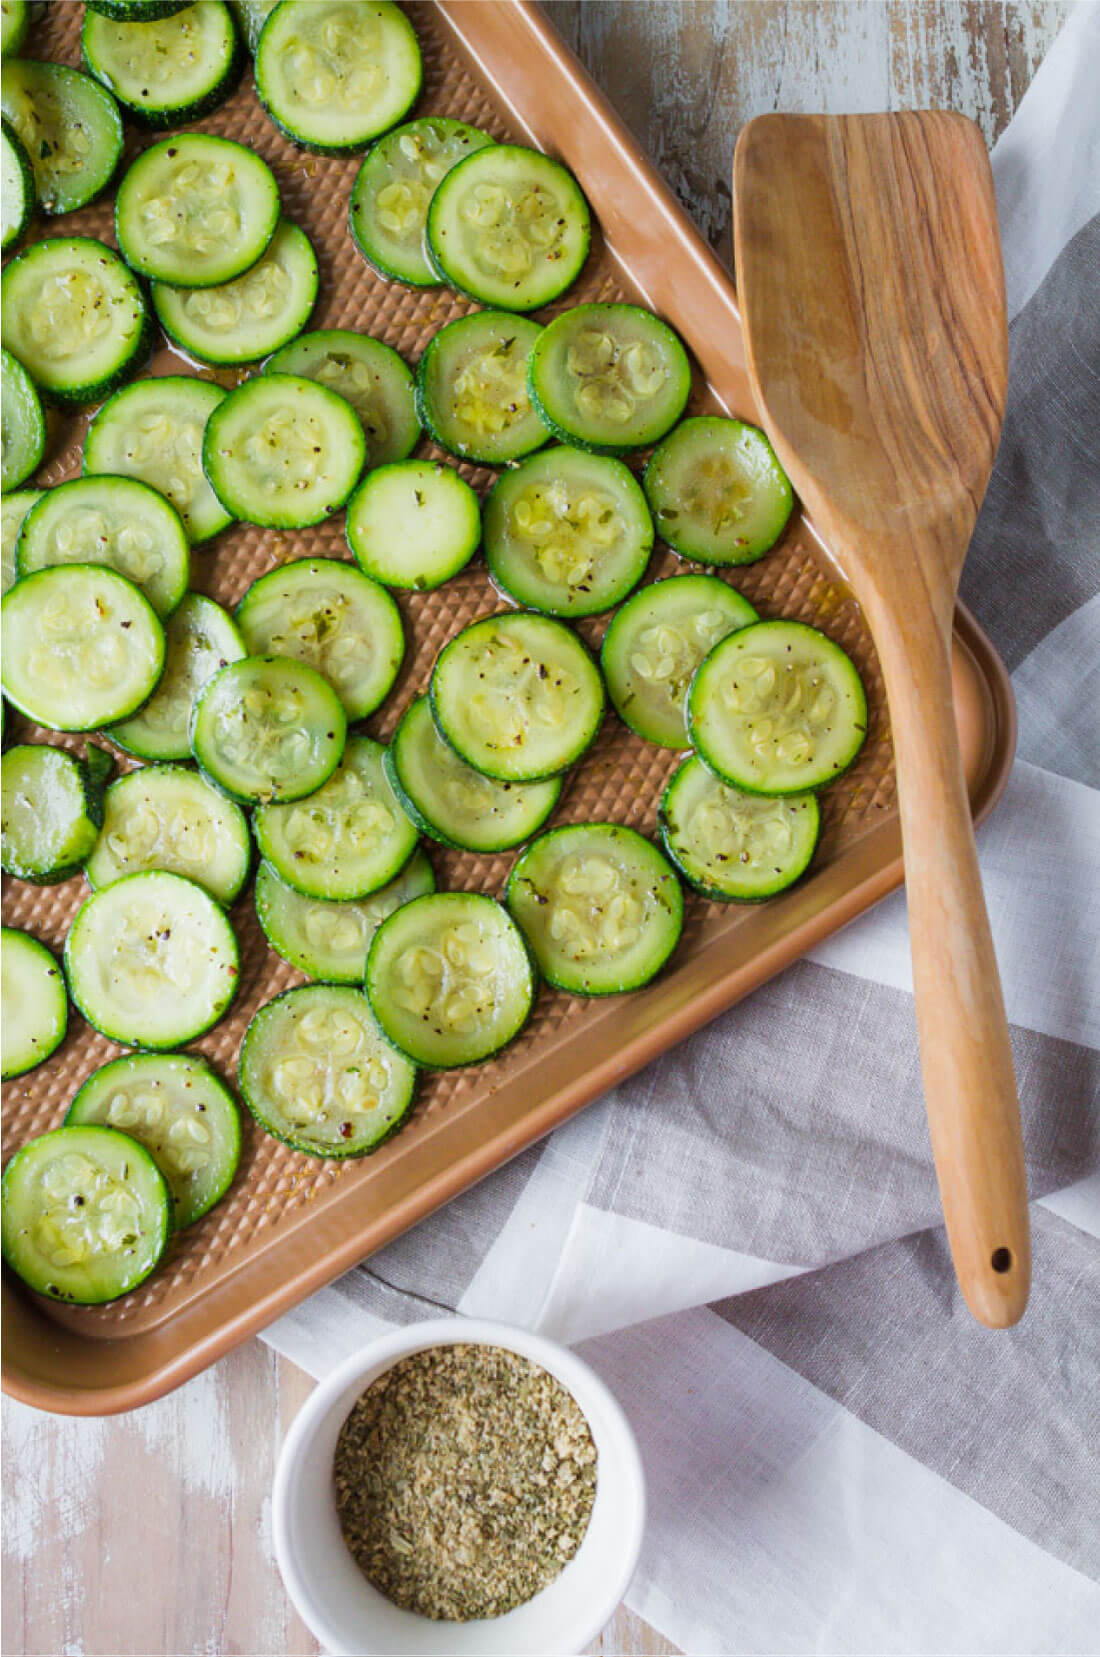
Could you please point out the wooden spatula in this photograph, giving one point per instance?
(872, 294)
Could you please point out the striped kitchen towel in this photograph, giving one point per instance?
(744, 1238)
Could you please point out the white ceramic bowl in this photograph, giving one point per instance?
(352, 1619)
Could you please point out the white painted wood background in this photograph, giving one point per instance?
(150, 1534)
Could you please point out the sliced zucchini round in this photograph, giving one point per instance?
(69, 126)
(152, 960)
(52, 811)
(609, 377)
(251, 15)
(316, 1073)
(471, 388)
(517, 696)
(241, 321)
(333, 74)
(15, 509)
(414, 524)
(199, 639)
(717, 491)
(367, 373)
(152, 431)
(777, 708)
(395, 184)
(325, 612)
(166, 70)
(731, 846)
(567, 533)
(76, 318)
(15, 22)
(599, 905)
(18, 196)
(450, 980)
(22, 423)
(350, 837)
(86, 1214)
(654, 645)
(169, 817)
(180, 1112)
(283, 452)
(35, 1005)
(326, 940)
(195, 210)
(451, 802)
(137, 11)
(81, 647)
(117, 522)
(509, 227)
(267, 728)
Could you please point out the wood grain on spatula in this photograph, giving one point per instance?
(872, 292)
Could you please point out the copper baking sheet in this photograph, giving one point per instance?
(291, 1223)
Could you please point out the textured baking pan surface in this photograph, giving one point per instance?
(290, 1223)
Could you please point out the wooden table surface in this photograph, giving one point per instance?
(150, 1533)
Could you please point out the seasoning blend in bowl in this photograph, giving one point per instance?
(459, 1489)
(465, 1478)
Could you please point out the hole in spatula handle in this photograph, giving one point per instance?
(1002, 1260)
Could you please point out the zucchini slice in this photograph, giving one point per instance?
(599, 905)
(69, 126)
(180, 1112)
(451, 802)
(283, 452)
(471, 388)
(52, 811)
(517, 696)
(777, 708)
(76, 318)
(22, 423)
(18, 196)
(86, 1214)
(169, 817)
(325, 612)
(717, 491)
(137, 11)
(241, 321)
(389, 200)
(15, 509)
(195, 210)
(326, 940)
(333, 74)
(199, 639)
(166, 70)
(267, 728)
(609, 377)
(117, 522)
(654, 645)
(413, 524)
(350, 837)
(567, 533)
(152, 431)
(152, 960)
(15, 22)
(367, 373)
(509, 227)
(450, 980)
(251, 16)
(316, 1073)
(35, 1005)
(81, 647)
(731, 846)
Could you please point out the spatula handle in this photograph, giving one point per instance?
(969, 1084)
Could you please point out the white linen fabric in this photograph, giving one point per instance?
(744, 1237)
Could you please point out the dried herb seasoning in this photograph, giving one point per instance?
(465, 1477)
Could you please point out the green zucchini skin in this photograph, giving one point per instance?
(137, 11)
(24, 424)
(40, 770)
(24, 181)
(30, 269)
(96, 43)
(16, 27)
